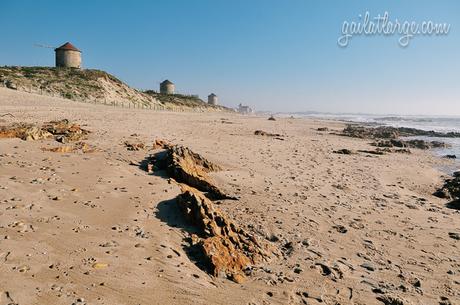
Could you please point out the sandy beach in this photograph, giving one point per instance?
(95, 228)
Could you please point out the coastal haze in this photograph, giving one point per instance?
(270, 55)
(228, 152)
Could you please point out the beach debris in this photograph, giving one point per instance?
(190, 168)
(271, 118)
(6, 114)
(343, 151)
(228, 250)
(266, 134)
(368, 266)
(454, 235)
(134, 146)
(450, 156)
(451, 188)
(62, 131)
(322, 129)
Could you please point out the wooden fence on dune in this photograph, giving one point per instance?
(121, 104)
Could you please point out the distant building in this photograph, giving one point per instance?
(68, 56)
(167, 87)
(244, 109)
(212, 99)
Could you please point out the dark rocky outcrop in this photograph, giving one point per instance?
(414, 143)
(389, 132)
(451, 188)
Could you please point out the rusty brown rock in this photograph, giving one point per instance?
(160, 143)
(134, 146)
(190, 168)
(228, 249)
(23, 131)
(79, 146)
(63, 131)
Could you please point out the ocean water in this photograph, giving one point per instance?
(436, 123)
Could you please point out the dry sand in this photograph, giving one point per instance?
(92, 229)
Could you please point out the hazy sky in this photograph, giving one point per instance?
(273, 55)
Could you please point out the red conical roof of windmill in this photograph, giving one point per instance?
(67, 47)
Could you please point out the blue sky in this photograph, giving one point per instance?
(273, 55)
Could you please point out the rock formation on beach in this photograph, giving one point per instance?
(62, 131)
(450, 189)
(387, 136)
(389, 132)
(415, 143)
(227, 249)
(187, 167)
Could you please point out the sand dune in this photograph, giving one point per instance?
(95, 228)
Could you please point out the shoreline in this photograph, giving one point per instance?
(356, 228)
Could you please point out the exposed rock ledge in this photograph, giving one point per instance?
(228, 250)
(190, 168)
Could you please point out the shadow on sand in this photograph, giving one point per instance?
(169, 212)
(454, 205)
(157, 160)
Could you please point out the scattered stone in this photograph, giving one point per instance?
(298, 270)
(340, 229)
(368, 266)
(266, 134)
(322, 129)
(271, 118)
(390, 300)
(454, 235)
(134, 146)
(450, 156)
(344, 151)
